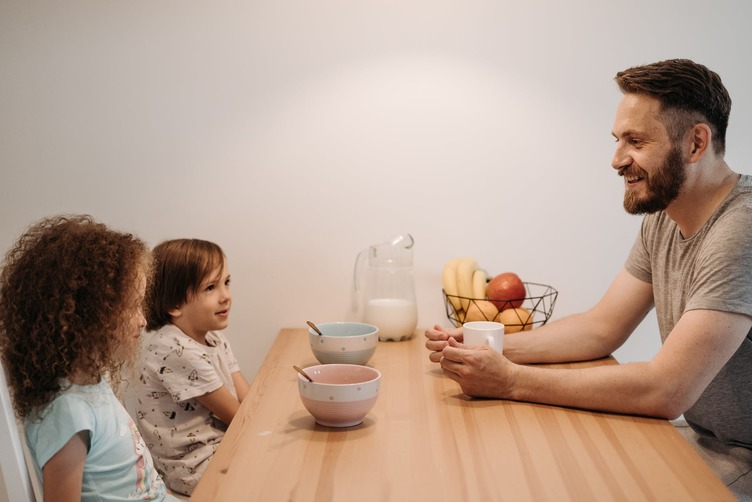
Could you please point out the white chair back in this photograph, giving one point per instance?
(21, 480)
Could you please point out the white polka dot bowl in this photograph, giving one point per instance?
(344, 342)
(341, 395)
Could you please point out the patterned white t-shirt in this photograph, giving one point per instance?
(180, 432)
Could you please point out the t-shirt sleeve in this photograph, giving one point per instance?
(67, 416)
(723, 280)
(638, 261)
(232, 362)
(184, 369)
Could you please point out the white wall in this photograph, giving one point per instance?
(296, 133)
(3, 494)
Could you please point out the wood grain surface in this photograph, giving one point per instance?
(425, 440)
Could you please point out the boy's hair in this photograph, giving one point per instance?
(67, 289)
(181, 265)
(689, 93)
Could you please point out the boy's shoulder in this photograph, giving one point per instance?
(169, 340)
(217, 339)
(168, 334)
(165, 342)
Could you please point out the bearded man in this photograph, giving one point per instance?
(692, 262)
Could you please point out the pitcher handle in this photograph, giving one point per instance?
(357, 290)
(406, 240)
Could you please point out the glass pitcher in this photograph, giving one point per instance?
(384, 288)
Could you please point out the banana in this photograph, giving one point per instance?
(465, 269)
(479, 284)
(449, 282)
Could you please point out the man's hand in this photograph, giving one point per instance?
(437, 340)
(480, 371)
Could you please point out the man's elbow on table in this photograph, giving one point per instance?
(669, 411)
(669, 402)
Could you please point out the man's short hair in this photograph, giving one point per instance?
(689, 93)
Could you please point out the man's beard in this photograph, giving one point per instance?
(663, 186)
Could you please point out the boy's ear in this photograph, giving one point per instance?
(175, 312)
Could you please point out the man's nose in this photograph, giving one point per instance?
(621, 159)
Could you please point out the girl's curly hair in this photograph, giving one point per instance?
(68, 294)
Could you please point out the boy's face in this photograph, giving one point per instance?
(208, 309)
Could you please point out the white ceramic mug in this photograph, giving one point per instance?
(484, 333)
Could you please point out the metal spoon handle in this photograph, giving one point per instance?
(315, 328)
(299, 370)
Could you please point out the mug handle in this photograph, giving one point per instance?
(490, 341)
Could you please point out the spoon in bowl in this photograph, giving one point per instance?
(300, 370)
(315, 328)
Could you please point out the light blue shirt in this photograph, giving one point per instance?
(118, 464)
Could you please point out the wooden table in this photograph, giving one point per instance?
(425, 440)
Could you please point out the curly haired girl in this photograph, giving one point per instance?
(71, 296)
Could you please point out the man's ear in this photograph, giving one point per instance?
(699, 138)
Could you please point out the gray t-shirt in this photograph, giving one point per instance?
(712, 270)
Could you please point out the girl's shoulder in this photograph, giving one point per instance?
(84, 395)
(76, 404)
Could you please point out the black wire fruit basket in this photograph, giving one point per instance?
(539, 302)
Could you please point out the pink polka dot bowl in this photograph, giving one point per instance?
(341, 395)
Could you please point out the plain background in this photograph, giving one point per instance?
(297, 133)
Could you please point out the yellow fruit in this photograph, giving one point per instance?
(459, 317)
(449, 281)
(481, 310)
(465, 268)
(515, 320)
(479, 284)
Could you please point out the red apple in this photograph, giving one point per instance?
(506, 291)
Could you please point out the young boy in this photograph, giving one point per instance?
(191, 383)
